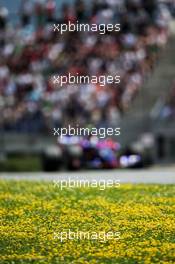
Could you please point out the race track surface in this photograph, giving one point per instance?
(151, 176)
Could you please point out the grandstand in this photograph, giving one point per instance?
(31, 53)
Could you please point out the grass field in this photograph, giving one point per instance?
(21, 163)
(32, 212)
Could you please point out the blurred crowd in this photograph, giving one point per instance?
(31, 53)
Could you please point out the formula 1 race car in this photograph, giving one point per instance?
(74, 153)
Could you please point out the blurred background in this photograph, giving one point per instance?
(143, 105)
